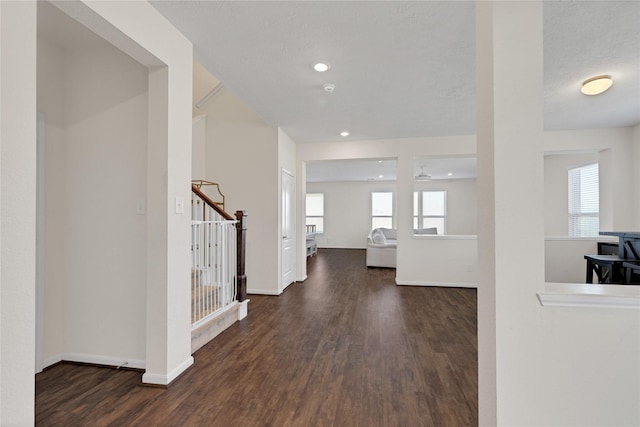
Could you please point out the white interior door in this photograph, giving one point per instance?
(288, 230)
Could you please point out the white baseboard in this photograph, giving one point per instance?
(51, 361)
(160, 379)
(94, 359)
(243, 309)
(263, 292)
(341, 247)
(436, 284)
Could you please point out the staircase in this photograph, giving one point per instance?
(218, 282)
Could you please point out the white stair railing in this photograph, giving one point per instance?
(213, 262)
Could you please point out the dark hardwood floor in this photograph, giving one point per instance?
(344, 348)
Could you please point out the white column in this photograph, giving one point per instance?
(168, 231)
(18, 208)
(511, 223)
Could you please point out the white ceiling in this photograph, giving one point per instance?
(384, 57)
(402, 68)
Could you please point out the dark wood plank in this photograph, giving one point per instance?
(345, 348)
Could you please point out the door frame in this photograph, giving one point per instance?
(282, 236)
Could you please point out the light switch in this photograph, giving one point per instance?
(179, 205)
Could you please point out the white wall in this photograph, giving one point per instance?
(615, 148)
(51, 101)
(348, 208)
(347, 212)
(242, 156)
(564, 257)
(462, 203)
(568, 149)
(556, 192)
(198, 150)
(17, 211)
(439, 261)
(168, 57)
(95, 242)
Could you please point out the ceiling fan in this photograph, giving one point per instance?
(423, 176)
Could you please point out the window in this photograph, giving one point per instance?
(430, 210)
(315, 211)
(382, 209)
(584, 201)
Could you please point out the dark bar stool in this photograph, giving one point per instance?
(631, 268)
(608, 268)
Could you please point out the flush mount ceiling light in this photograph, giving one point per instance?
(344, 133)
(321, 67)
(596, 85)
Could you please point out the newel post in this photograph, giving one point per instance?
(241, 231)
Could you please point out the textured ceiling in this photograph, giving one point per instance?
(402, 68)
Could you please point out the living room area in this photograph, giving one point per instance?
(359, 195)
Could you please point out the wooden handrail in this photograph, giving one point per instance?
(213, 205)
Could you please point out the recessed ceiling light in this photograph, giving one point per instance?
(344, 133)
(380, 176)
(596, 85)
(450, 174)
(321, 67)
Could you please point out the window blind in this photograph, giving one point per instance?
(584, 201)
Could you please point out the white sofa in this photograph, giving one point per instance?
(382, 246)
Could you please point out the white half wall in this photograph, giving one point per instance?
(564, 257)
(439, 261)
